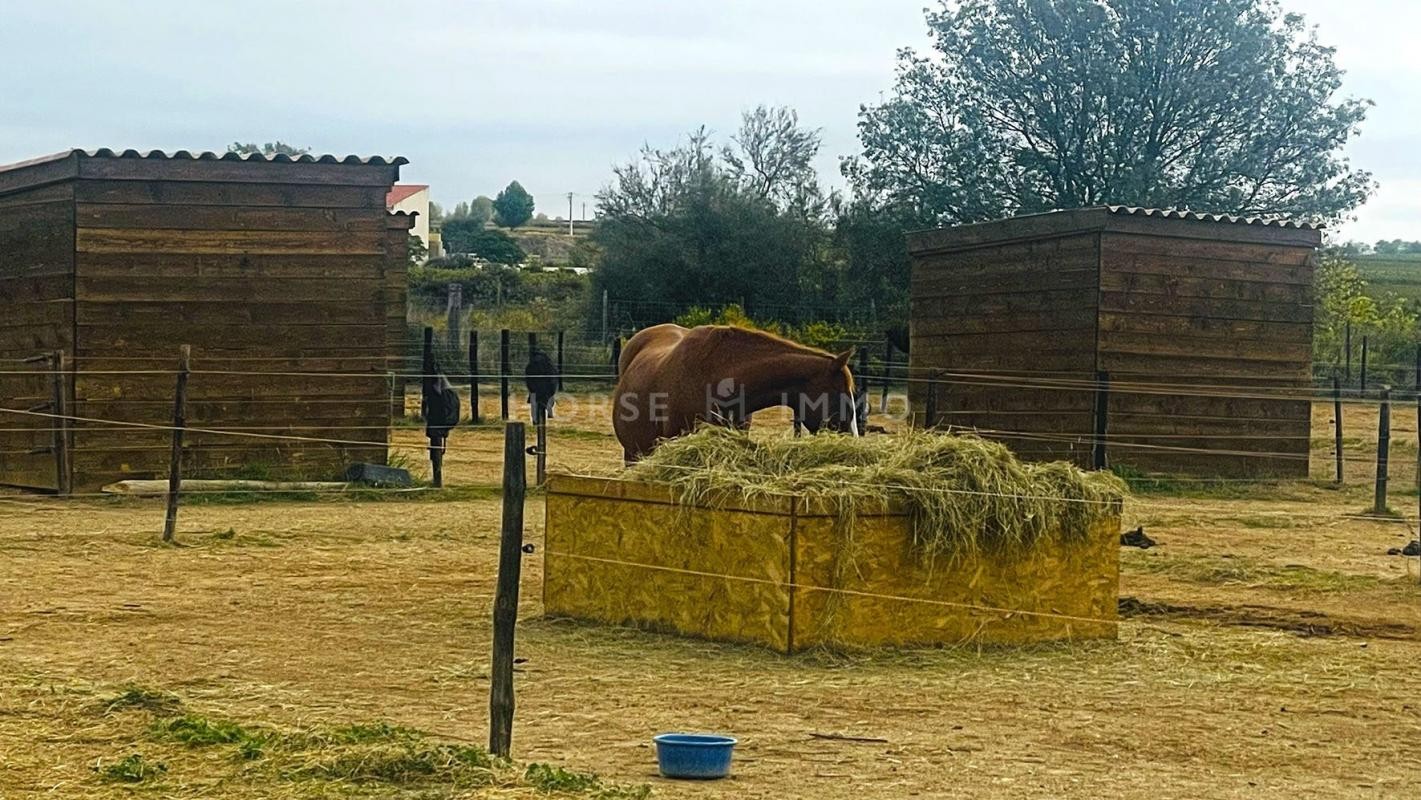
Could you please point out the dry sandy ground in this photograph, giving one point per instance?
(1272, 653)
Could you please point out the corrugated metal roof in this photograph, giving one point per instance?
(1163, 213)
(208, 155)
(1129, 219)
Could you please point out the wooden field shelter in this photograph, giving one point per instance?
(1156, 341)
(286, 275)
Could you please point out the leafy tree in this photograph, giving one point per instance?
(461, 210)
(1396, 247)
(467, 235)
(1351, 249)
(458, 234)
(436, 212)
(497, 247)
(418, 252)
(874, 257)
(700, 224)
(481, 209)
(513, 206)
(1032, 105)
(277, 147)
(1343, 298)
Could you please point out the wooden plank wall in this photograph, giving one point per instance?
(280, 269)
(36, 317)
(396, 311)
(1016, 311)
(1210, 318)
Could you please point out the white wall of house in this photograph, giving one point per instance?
(417, 203)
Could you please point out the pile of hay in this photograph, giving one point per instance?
(964, 494)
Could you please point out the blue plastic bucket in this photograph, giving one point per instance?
(693, 755)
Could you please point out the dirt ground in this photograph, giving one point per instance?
(1269, 649)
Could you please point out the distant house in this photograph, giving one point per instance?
(413, 198)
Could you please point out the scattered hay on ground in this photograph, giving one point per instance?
(378, 757)
(964, 494)
(1226, 570)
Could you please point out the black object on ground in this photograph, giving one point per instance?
(377, 475)
(1412, 548)
(1137, 538)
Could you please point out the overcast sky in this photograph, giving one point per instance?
(550, 93)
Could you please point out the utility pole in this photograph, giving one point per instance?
(569, 213)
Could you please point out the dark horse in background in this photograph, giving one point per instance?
(541, 379)
(671, 378)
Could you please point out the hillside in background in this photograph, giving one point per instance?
(1399, 274)
(552, 244)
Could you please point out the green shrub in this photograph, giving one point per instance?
(824, 335)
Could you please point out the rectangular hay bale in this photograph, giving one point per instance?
(773, 572)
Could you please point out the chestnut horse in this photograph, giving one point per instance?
(672, 377)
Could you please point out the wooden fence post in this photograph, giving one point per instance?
(1098, 457)
(887, 371)
(175, 459)
(540, 448)
(1337, 423)
(505, 604)
(454, 313)
(59, 404)
(1418, 459)
(503, 369)
(1383, 450)
(474, 378)
(1364, 364)
(532, 343)
(617, 356)
(560, 384)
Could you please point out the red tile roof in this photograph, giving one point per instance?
(403, 191)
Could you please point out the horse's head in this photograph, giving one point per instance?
(827, 400)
